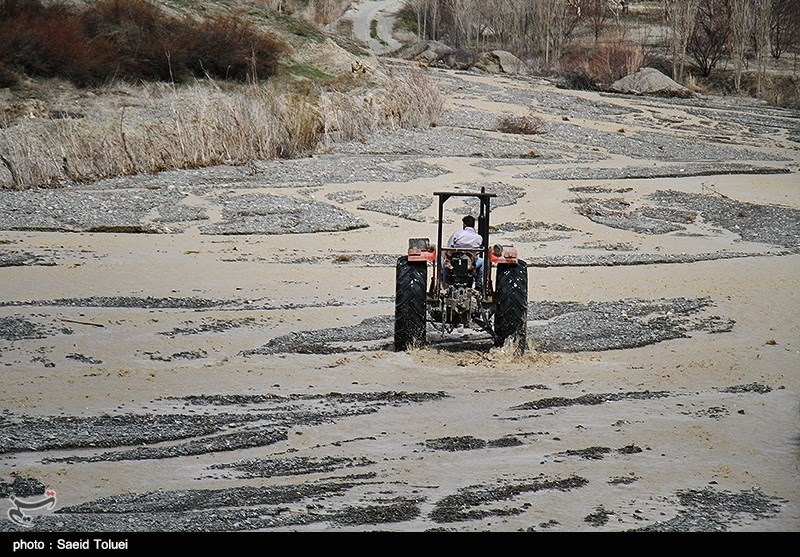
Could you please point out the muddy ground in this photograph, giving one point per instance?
(211, 349)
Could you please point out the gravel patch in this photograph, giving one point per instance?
(770, 224)
(128, 302)
(709, 510)
(19, 328)
(556, 327)
(408, 207)
(270, 467)
(73, 210)
(258, 421)
(210, 326)
(18, 258)
(308, 172)
(470, 502)
(346, 196)
(614, 259)
(274, 214)
(660, 171)
(571, 327)
(613, 213)
(453, 142)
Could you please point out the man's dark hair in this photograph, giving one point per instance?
(469, 220)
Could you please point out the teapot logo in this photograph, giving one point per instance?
(18, 512)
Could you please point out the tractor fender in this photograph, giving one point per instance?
(500, 255)
(416, 255)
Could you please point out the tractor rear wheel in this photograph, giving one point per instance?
(409, 309)
(511, 305)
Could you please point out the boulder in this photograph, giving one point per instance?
(650, 81)
(427, 52)
(500, 61)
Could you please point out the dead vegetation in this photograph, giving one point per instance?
(122, 87)
(524, 125)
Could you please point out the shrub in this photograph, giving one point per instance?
(136, 38)
(44, 41)
(228, 47)
(8, 77)
(578, 80)
(132, 40)
(525, 125)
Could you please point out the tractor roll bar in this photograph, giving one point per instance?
(483, 230)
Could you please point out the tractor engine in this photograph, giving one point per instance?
(459, 305)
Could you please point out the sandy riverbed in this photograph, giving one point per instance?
(175, 344)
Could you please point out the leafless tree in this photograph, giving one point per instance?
(739, 40)
(680, 15)
(762, 10)
(428, 14)
(784, 32)
(462, 13)
(500, 17)
(709, 41)
(549, 25)
(596, 13)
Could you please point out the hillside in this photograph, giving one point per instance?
(56, 132)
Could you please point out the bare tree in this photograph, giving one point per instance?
(784, 32)
(461, 12)
(428, 14)
(680, 16)
(596, 13)
(762, 10)
(548, 25)
(708, 43)
(499, 16)
(420, 10)
(525, 27)
(741, 31)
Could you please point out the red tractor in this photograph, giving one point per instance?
(456, 295)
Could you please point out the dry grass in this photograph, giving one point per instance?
(120, 87)
(407, 99)
(129, 129)
(165, 127)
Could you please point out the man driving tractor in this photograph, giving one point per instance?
(467, 237)
(471, 283)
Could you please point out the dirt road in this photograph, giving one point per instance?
(364, 12)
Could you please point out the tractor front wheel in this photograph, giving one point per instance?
(409, 309)
(511, 309)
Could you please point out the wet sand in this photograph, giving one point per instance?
(660, 390)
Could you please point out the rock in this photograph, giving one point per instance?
(426, 52)
(500, 61)
(650, 81)
(459, 59)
